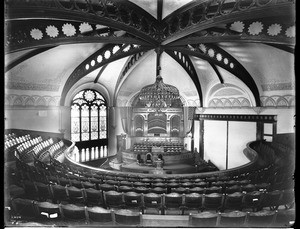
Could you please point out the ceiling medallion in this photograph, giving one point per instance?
(226, 61)
(202, 47)
(219, 56)
(237, 26)
(290, 32)
(115, 49)
(69, 30)
(85, 27)
(211, 52)
(52, 31)
(255, 28)
(36, 34)
(274, 29)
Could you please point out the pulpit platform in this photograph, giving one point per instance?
(157, 156)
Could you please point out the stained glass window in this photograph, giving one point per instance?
(88, 116)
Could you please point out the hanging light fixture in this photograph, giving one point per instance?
(159, 95)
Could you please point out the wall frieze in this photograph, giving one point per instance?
(31, 101)
(32, 86)
(278, 86)
(266, 101)
(278, 101)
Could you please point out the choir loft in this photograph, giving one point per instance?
(161, 113)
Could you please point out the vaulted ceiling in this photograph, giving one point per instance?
(204, 48)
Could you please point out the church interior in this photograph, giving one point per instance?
(149, 113)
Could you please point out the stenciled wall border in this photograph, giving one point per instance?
(31, 101)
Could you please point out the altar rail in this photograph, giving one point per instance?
(257, 161)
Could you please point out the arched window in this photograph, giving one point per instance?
(89, 119)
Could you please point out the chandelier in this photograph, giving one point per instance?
(159, 95)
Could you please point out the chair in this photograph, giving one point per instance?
(213, 189)
(173, 203)
(197, 190)
(287, 198)
(24, 208)
(203, 219)
(233, 201)
(146, 180)
(133, 200)
(201, 184)
(285, 218)
(83, 178)
(95, 181)
(76, 183)
(211, 179)
(99, 215)
(180, 190)
(263, 218)
(73, 212)
(158, 190)
(87, 184)
(75, 194)
(59, 193)
(218, 183)
(141, 189)
(232, 189)
(159, 184)
(229, 183)
(51, 179)
(111, 182)
(213, 201)
(232, 219)
(30, 189)
(125, 188)
(125, 183)
(252, 200)
(184, 180)
(187, 185)
(263, 187)
(244, 182)
(93, 196)
(138, 184)
(128, 217)
(48, 210)
(271, 200)
(192, 202)
(113, 199)
(224, 178)
(248, 188)
(63, 181)
(106, 187)
(171, 185)
(152, 203)
(43, 191)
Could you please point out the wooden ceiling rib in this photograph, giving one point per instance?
(128, 25)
